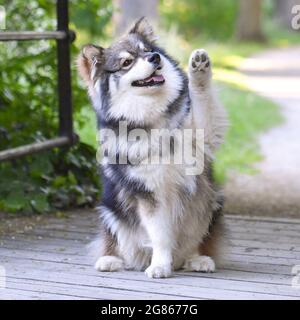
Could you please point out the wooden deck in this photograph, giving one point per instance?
(48, 261)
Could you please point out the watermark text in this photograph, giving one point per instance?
(296, 277)
(296, 17)
(2, 18)
(183, 147)
(2, 277)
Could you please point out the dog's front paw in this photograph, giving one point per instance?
(200, 67)
(200, 264)
(109, 263)
(159, 271)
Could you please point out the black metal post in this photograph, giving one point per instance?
(64, 72)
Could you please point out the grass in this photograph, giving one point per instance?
(249, 114)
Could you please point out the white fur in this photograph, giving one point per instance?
(125, 55)
(109, 263)
(133, 245)
(96, 95)
(208, 113)
(159, 270)
(136, 103)
(200, 264)
(162, 243)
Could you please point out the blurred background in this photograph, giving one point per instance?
(251, 44)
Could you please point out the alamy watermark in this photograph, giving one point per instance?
(296, 277)
(184, 147)
(296, 17)
(2, 18)
(2, 277)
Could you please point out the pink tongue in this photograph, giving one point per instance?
(158, 78)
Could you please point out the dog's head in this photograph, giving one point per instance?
(137, 74)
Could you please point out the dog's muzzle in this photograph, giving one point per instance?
(154, 79)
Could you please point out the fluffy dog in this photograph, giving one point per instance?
(155, 216)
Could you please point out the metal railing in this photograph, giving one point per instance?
(64, 37)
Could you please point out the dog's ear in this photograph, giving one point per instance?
(90, 62)
(143, 28)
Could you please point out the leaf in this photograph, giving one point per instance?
(59, 181)
(39, 203)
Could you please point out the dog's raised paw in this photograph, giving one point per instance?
(109, 263)
(199, 61)
(163, 271)
(200, 264)
(200, 66)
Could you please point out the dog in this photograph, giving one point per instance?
(154, 217)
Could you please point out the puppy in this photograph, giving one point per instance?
(157, 213)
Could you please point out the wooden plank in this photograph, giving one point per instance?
(58, 237)
(264, 244)
(265, 219)
(262, 224)
(18, 246)
(76, 226)
(265, 273)
(38, 246)
(89, 220)
(233, 272)
(86, 260)
(253, 251)
(262, 260)
(22, 241)
(290, 251)
(232, 282)
(74, 291)
(18, 294)
(158, 286)
(51, 260)
(266, 231)
(238, 233)
(255, 268)
(263, 237)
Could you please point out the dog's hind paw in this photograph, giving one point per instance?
(200, 67)
(200, 264)
(109, 263)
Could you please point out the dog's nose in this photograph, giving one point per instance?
(154, 58)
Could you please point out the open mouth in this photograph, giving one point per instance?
(153, 80)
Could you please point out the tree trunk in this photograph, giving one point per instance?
(249, 20)
(283, 12)
(128, 11)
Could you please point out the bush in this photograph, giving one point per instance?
(60, 178)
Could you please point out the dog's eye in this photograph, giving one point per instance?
(127, 63)
(147, 49)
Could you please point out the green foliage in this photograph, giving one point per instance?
(57, 179)
(91, 16)
(213, 18)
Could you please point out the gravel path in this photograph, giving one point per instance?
(275, 191)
